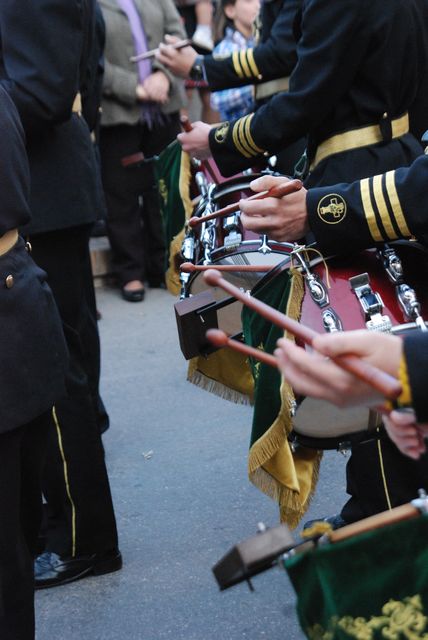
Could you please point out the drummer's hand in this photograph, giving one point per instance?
(178, 61)
(156, 86)
(310, 374)
(196, 141)
(282, 219)
(405, 433)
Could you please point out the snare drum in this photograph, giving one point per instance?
(381, 289)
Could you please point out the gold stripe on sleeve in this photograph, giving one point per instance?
(250, 139)
(383, 209)
(395, 204)
(237, 142)
(368, 210)
(242, 138)
(253, 66)
(244, 64)
(236, 64)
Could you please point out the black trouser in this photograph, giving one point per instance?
(75, 483)
(133, 216)
(22, 453)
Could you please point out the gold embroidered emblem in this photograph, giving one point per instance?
(399, 621)
(332, 209)
(221, 132)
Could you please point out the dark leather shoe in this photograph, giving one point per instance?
(50, 570)
(335, 521)
(133, 296)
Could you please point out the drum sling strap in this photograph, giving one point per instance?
(288, 477)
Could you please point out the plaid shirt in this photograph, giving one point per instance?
(237, 102)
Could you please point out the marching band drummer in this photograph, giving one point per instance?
(358, 90)
(268, 65)
(377, 209)
(33, 363)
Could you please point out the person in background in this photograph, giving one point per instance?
(234, 22)
(140, 115)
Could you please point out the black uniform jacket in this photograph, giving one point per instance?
(274, 57)
(43, 49)
(358, 60)
(416, 353)
(32, 350)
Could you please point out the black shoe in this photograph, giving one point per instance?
(50, 570)
(335, 521)
(133, 296)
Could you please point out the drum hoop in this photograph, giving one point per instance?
(235, 184)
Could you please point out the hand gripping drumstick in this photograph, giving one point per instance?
(151, 54)
(219, 339)
(278, 191)
(384, 383)
(187, 127)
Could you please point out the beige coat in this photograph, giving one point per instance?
(119, 103)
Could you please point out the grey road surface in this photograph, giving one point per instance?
(177, 462)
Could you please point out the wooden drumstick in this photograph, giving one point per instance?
(278, 191)
(387, 385)
(398, 514)
(151, 54)
(219, 339)
(189, 267)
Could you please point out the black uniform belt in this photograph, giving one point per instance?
(361, 137)
(8, 240)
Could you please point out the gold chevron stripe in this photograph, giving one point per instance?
(244, 64)
(237, 142)
(250, 138)
(383, 209)
(236, 64)
(253, 65)
(242, 138)
(368, 210)
(395, 204)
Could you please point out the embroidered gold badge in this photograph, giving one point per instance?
(221, 132)
(332, 209)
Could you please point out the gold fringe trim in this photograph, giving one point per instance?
(289, 478)
(172, 276)
(217, 388)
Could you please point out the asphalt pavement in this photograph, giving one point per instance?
(177, 460)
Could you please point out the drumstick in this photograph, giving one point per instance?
(151, 54)
(278, 191)
(189, 267)
(219, 339)
(398, 514)
(387, 385)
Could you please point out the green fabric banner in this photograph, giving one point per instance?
(371, 587)
(173, 175)
(262, 334)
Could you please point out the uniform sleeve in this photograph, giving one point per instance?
(325, 70)
(416, 354)
(42, 44)
(274, 58)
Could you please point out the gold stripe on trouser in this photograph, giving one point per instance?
(395, 204)
(236, 64)
(67, 483)
(383, 209)
(357, 138)
(369, 211)
(77, 104)
(382, 471)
